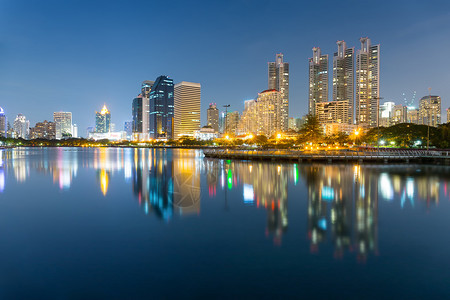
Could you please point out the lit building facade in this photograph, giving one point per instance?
(278, 72)
(187, 108)
(103, 121)
(318, 80)
(212, 116)
(43, 130)
(343, 78)
(128, 128)
(386, 113)
(399, 115)
(332, 112)
(263, 116)
(140, 122)
(161, 109)
(367, 90)
(448, 115)
(146, 88)
(63, 124)
(21, 127)
(3, 123)
(412, 115)
(232, 122)
(430, 110)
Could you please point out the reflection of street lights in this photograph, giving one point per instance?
(428, 117)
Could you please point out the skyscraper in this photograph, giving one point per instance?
(103, 120)
(21, 127)
(212, 114)
(263, 115)
(3, 123)
(187, 108)
(140, 113)
(343, 77)
(318, 79)
(63, 124)
(430, 110)
(368, 84)
(278, 72)
(128, 128)
(161, 108)
(146, 88)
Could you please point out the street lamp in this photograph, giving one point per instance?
(226, 116)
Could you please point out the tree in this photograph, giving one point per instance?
(311, 131)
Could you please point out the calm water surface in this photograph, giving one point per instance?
(140, 223)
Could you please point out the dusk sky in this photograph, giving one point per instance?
(77, 55)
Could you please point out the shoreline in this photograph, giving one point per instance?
(383, 157)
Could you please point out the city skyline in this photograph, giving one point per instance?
(102, 75)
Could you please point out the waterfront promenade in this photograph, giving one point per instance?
(361, 156)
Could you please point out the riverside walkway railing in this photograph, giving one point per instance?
(383, 155)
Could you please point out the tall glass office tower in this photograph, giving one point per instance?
(161, 108)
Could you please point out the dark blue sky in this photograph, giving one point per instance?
(77, 55)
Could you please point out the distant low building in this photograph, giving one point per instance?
(112, 136)
(335, 128)
(430, 110)
(448, 115)
(43, 130)
(3, 123)
(412, 115)
(206, 133)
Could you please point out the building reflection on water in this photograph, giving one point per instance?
(165, 183)
(342, 201)
(264, 185)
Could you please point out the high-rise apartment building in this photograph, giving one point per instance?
(318, 79)
(3, 123)
(21, 127)
(430, 110)
(399, 115)
(248, 121)
(367, 99)
(212, 117)
(412, 116)
(278, 72)
(263, 115)
(103, 120)
(332, 112)
(232, 122)
(161, 108)
(187, 108)
(43, 130)
(63, 124)
(343, 79)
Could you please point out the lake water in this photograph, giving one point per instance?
(111, 223)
